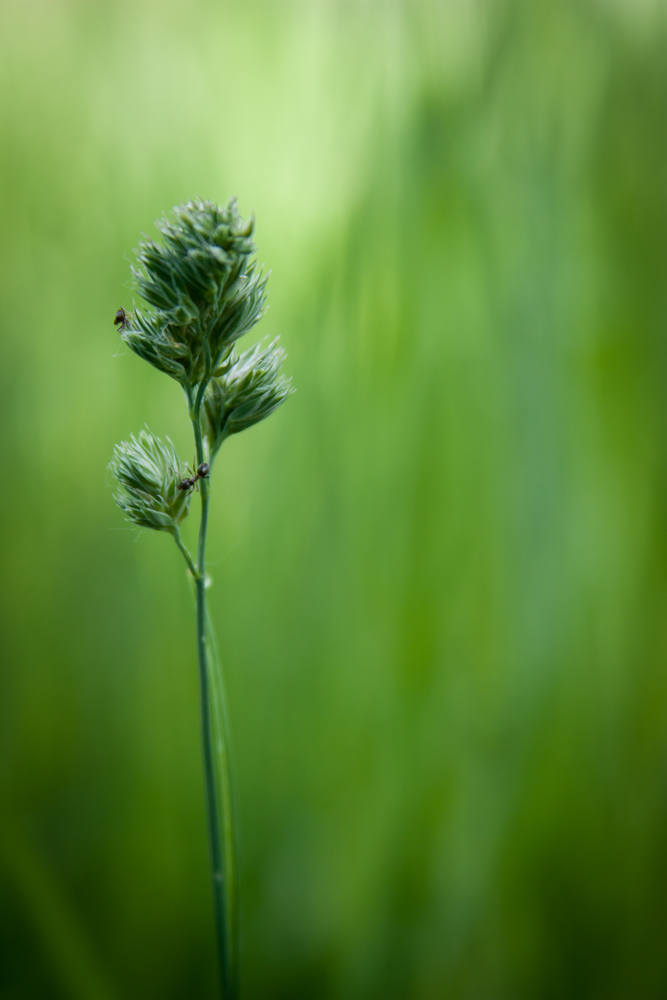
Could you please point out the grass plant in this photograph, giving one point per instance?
(203, 291)
(442, 576)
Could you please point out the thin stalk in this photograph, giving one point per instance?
(186, 555)
(225, 786)
(223, 873)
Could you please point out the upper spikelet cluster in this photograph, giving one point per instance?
(203, 288)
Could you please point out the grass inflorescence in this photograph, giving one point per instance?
(202, 291)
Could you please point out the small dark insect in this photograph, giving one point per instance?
(121, 320)
(201, 473)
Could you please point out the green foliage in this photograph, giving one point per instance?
(248, 391)
(445, 564)
(203, 289)
(149, 471)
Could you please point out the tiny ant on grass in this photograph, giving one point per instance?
(121, 320)
(201, 473)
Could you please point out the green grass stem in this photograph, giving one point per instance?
(221, 838)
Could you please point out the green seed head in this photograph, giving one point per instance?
(249, 388)
(202, 288)
(149, 472)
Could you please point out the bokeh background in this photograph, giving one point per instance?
(440, 570)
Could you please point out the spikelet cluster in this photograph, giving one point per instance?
(203, 291)
(202, 287)
(249, 390)
(148, 473)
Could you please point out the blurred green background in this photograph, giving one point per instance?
(440, 570)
